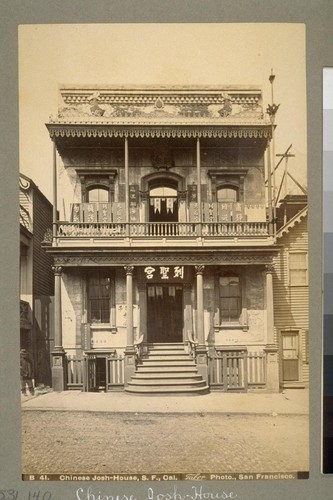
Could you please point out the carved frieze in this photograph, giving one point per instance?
(106, 105)
(141, 259)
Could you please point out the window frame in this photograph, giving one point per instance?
(242, 321)
(97, 273)
(306, 268)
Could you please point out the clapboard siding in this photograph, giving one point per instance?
(43, 278)
(291, 303)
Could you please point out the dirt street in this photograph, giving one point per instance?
(88, 442)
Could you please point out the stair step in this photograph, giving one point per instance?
(166, 369)
(171, 391)
(172, 365)
(162, 352)
(164, 357)
(167, 383)
(168, 376)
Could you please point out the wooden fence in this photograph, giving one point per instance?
(78, 377)
(236, 370)
(115, 375)
(75, 372)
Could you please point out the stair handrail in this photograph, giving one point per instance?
(138, 348)
(192, 343)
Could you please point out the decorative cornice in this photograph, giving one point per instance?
(152, 95)
(156, 131)
(141, 259)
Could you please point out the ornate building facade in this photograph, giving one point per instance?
(163, 240)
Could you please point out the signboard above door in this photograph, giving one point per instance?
(165, 274)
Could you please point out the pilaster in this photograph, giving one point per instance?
(201, 349)
(129, 354)
(58, 354)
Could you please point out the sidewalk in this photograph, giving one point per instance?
(289, 402)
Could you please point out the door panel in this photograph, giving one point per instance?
(91, 373)
(165, 313)
(290, 357)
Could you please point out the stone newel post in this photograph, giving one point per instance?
(129, 351)
(58, 353)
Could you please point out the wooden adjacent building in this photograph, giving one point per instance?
(36, 280)
(164, 247)
(291, 290)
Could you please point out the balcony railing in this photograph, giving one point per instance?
(162, 229)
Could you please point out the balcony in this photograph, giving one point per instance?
(162, 233)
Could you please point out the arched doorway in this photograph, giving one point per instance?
(163, 203)
(163, 195)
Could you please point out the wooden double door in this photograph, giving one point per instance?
(165, 313)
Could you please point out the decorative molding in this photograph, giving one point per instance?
(24, 183)
(48, 236)
(153, 130)
(141, 259)
(155, 97)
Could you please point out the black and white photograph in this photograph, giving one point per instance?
(163, 202)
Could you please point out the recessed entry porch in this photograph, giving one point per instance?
(165, 317)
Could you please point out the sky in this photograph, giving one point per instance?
(159, 54)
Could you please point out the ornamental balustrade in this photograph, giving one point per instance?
(161, 229)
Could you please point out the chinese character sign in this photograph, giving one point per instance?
(164, 273)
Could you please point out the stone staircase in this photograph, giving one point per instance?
(167, 369)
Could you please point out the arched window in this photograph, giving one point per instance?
(98, 195)
(163, 201)
(227, 194)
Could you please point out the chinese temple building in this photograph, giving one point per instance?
(163, 240)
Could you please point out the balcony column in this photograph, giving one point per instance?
(55, 195)
(201, 349)
(271, 348)
(126, 188)
(130, 350)
(199, 187)
(58, 353)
